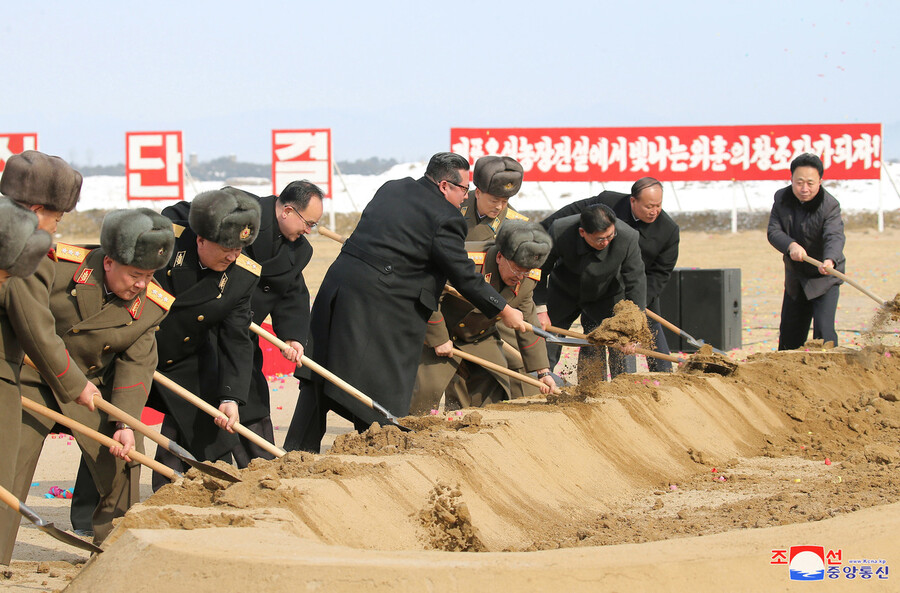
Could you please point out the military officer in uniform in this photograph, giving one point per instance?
(205, 344)
(497, 179)
(106, 310)
(659, 240)
(512, 267)
(47, 187)
(595, 262)
(283, 251)
(22, 247)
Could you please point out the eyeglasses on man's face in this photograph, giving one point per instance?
(465, 188)
(309, 225)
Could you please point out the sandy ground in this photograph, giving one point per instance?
(767, 432)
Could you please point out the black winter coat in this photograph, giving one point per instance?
(369, 316)
(818, 227)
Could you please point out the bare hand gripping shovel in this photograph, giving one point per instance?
(164, 442)
(325, 373)
(67, 538)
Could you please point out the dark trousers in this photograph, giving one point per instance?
(797, 313)
(308, 425)
(656, 365)
(85, 499)
(247, 450)
(590, 357)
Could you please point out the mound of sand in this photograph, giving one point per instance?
(790, 438)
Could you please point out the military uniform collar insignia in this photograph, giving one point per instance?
(179, 259)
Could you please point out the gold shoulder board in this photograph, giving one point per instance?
(72, 253)
(535, 274)
(159, 296)
(248, 264)
(177, 229)
(513, 215)
(477, 257)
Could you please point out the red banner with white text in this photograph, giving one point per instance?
(154, 165)
(696, 153)
(11, 144)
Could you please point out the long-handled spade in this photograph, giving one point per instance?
(67, 538)
(331, 377)
(691, 339)
(99, 437)
(498, 368)
(583, 340)
(891, 306)
(161, 440)
(215, 413)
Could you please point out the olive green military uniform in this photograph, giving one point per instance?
(486, 229)
(113, 342)
(476, 334)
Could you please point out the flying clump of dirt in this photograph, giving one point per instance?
(888, 313)
(627, 326)
(448, 523)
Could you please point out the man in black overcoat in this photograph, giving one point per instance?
(595, 262)
(370, 314)
(660, 236)
(806, 220)
(283, 252)
(204, 344)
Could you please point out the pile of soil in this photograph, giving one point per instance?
(428, 433)
(448, 521)
(705, 360)
(628, 325)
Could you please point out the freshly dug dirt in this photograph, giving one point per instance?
(628, 325)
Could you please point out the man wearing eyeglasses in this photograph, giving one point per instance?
(595, 263)
(512, 267)
(283, 252)
(370, 314)
(660, 238)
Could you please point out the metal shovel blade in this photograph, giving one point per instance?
(209, 469)
(53, 531)
(553, 338)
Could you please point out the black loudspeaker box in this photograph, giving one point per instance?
(705, 303)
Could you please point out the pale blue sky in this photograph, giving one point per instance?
(391, 78)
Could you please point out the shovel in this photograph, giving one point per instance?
(691, 340)
(67, 538)
(852, 283)
(643, 351)
(331, 377)
(99, 437)
(215, 413)
(164, 442)
(500, 369)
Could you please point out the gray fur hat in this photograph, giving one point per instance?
(22, 244)
(227, 216)
(526, 243)
(140, 238)
(34, 178)
(499, 176)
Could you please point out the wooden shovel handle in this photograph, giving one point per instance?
(500, 369)
(330, 234)
(844, 277)
(215, 413)
(671, 326)
(11, 501)
(99, 437)
(641, 351)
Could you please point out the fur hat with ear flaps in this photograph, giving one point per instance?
(499, 176)
(525, 243)
(22, 244)
(227, 216)
(140, 238)
(34, 178)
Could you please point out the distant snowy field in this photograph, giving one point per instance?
(352, 192)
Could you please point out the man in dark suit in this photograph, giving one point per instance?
(595, 263)
(204, 343)
(806, 220)
(370, 314)
(660, 236)
(283, 251)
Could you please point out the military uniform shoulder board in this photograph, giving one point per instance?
(248, 264)
(477, 257)
(177, 229)
(71, 253)
(535, 274)
(495, 225)
(513, 215)
(159, 296)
